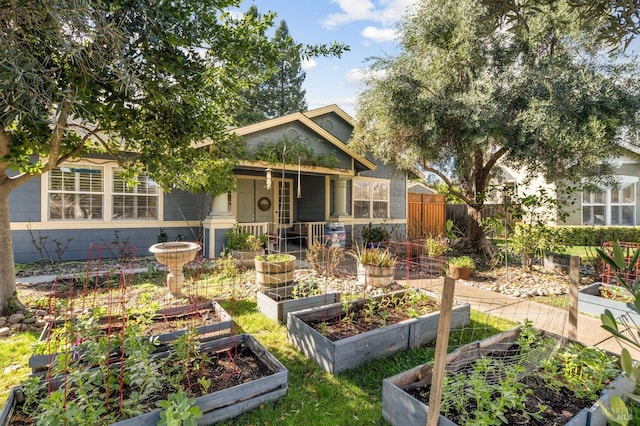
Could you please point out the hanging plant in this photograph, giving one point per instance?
(295, 151)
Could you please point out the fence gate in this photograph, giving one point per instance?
(426, 215)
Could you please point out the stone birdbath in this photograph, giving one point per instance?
(174, 255)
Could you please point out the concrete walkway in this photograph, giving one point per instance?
(544, 317)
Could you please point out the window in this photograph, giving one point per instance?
(610, 207)
(134, 202)
(370, 199)
(75, 193)
(99, 193)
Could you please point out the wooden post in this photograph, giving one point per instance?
(574, 283)
(440, 356)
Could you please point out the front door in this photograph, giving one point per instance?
(254, 201)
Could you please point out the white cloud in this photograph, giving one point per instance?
(386, 12)
(358, 75)
(307, 64)
(380, 34)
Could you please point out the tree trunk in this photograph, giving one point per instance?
(7, 265)
(475, 234)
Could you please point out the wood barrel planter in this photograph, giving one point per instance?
(400, 408)
(376, 276)
(275, 270)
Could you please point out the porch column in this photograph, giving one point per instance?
(340, 199)
(216, 224)
(220, 206)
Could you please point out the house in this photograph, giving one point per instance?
(84, 210)
(607, 206)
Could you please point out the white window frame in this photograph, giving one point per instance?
(74, 196)
(608, 205)
(108, 173)
(134, 193)
(371, 199)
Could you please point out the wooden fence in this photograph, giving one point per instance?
(426, 215)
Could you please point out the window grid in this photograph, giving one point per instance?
(134, 202)
(610, 207)
(75, 193)
(370, 199)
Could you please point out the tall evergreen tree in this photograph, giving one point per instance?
(282, 92)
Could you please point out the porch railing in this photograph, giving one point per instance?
(305, 232)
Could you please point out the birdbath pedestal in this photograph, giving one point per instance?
(174, 255)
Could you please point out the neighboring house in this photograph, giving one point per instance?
(605, 207)
(85, 204)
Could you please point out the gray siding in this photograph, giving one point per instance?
(398, 185)
(335, 125)
(24, 202)
(75, 244)
(181, 205)
(310, 208)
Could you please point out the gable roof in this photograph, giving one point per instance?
(305, 120)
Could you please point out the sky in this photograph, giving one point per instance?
(367, 26)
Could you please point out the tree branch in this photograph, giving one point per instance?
(447, 182)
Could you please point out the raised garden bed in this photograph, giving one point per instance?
(382, 340)
(402, 407)
(595, 298)
(277, 302)
(211, 321)
(269, 382)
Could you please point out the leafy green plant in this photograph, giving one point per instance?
(374, 234)
(462, 262)
(623, 268)
(374, 256)
(240, 239)
(275, 257)
(179, 410)
(435, 246)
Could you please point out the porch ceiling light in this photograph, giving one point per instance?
(268, 180)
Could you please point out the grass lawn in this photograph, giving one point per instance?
(14, 358)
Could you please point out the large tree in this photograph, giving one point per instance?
(281, 93)
(148, 77)
(615, 22)
(464, 96)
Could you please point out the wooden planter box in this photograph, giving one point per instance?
(220, 405)
(344, 354)
(399, 408)
(590, 302)
(277, 302)
(40, 363)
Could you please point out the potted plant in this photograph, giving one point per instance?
(460, 267)
(376, 266)
(372, 236)
(275, 269)
(244, 246)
